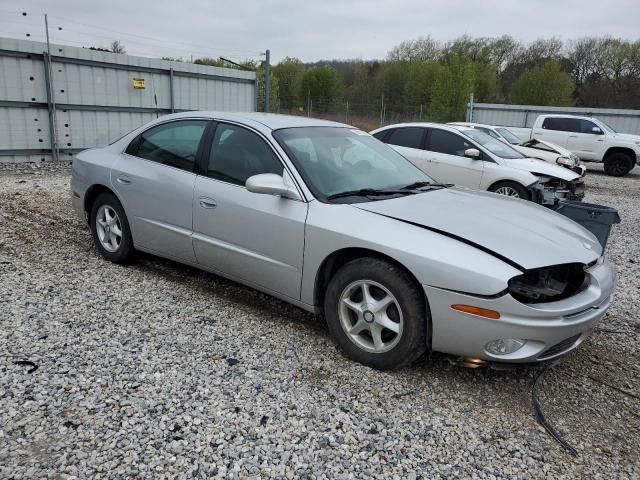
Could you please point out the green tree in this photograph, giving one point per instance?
(543, 85)
(323, 86)
(289, 73)
(453, 85)
(419, 84)
(485, 82)
(390, 81)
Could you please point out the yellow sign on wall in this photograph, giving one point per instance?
(138, 83)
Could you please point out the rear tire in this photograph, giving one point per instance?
(110, 229)
(377, 314)
(618, 164)
(510, 189)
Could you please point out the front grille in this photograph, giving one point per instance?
(559, 347)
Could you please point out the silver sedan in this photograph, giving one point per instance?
(328, 218)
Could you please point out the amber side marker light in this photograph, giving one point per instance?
(481, 312)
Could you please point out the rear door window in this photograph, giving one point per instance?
(562, 124)
(410, 137)
(174, 143)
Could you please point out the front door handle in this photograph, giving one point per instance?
(573, 136)
(123, 180)
(207, 203)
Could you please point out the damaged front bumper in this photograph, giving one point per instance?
(552, 190)
(544, 330)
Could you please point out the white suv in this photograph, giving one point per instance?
(471, 158)
(590, 139)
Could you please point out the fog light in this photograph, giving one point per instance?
(504, 346)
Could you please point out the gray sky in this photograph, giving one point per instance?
(309, 30)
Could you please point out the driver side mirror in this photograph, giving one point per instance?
(472, 153)
(596, 130)
(271, 184)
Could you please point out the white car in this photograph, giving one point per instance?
(471, 158)
(534, 148)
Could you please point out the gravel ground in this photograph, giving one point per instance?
(160, 370)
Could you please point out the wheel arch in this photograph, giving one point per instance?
(92, 193)
(624, 150)
(503, 180)
(337, 259)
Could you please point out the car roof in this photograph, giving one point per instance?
(442, 126)
(565, 115)
(472, 124)
(272, 121)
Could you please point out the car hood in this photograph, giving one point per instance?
(553, 146)
(534, 165)
(626, 137)
(521, 232)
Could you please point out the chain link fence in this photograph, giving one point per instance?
(366, 116)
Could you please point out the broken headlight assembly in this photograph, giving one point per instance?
(566, 161)
(549, 284)
(548, 190)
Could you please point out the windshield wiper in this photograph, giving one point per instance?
(419, 185)
(368, 192)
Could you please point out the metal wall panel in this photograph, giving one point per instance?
(95, 99)
(23, 128)
(623, 121)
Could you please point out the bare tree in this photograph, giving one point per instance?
(117, 47)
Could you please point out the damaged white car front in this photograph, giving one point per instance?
(553, 183)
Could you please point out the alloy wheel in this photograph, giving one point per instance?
(108, 228)
(371, 316)
(508, 191)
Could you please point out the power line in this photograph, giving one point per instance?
(203, 50)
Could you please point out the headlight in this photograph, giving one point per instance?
(569, 162)
(548, 284)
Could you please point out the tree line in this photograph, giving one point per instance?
(439, 77)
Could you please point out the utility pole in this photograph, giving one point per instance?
(267, 80)
(53, 130)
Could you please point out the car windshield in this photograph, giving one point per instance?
(509, 137)
(496, 147)
(334, 160)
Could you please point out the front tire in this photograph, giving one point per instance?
(510, 189)
(376, 313)
(618, 164)
(110, 229)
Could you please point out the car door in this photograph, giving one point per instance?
(409, 142)
(447, 163)
(584, 142)
(154, 179)
(252, 237)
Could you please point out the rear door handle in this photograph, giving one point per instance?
(573, 136)
(123, 180)
(207, 203)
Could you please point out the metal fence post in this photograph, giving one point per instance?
(50, 106)
(171, 94)
(267, 81)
